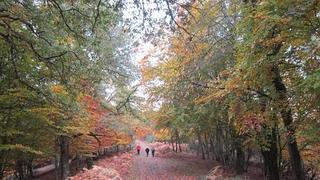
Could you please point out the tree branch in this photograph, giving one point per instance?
(173, 19)
(96, 17)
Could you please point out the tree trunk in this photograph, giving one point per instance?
(77, 161)
(279, 146)
(23, 169)
(219, 146)
(29, 168)
(57, 163)
(178, 140)
(207, 145)
(64, 157)
(180, 146)
(176, 144)
(172, 143)
(239, 158)
(270, 157)
(212, 147)
(248, 159)
(201, 146)
(3, 163)
(89, 161)
(20, 170)
(198, 148)
(286, 115)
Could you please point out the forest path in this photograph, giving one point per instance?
(182, 166)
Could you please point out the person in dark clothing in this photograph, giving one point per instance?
(147, 151)
(153, 151)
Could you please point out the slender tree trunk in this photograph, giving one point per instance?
(78, 162)
(179, 143)
(201, 146)
(3, 163)
(207, 145)
(1, 173)
(20, 170)
(23, 169)
(286, 114)
(279, 147)
(29, 168)
(176, 139)
(172, 143)
(212, 147)
(219, 145)
(89, 161)
(198, 148)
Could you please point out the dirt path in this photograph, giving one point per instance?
(167, 165)
(183, 166)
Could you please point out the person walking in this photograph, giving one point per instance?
(147, 151)
(138, 149)
(153, 151)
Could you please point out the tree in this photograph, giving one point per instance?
(50, 51)
(251, 62)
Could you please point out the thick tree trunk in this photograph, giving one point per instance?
(64, 157)
(239, 158)
(286, 114)
(270, 157)
(57, 163)
(247, 159)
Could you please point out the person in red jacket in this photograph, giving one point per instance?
(138, 149)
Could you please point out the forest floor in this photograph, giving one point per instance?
(166, 165)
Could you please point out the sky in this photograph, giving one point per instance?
(148, 25)
(147, 33)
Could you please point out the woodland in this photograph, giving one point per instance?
(233, 79)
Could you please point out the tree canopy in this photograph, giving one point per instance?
(229, 77)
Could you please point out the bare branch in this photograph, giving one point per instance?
(61, 12)
(173, 19)
(96, 17)
(123, 104)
